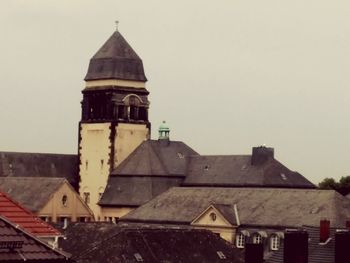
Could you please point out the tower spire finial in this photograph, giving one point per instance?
(116, 25)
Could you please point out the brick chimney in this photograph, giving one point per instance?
(324, 230)
(261, 154)
(296, 247)
(341, 250)
(254, 253)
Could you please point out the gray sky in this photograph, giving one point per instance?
(226, 75)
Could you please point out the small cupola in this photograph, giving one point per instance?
(164, 131)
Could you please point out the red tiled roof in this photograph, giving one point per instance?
(17, 214)
(18, 245)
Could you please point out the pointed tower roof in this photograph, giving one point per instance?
(116, 60)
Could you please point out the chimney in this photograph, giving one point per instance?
(261, 154)
(324, 230)
(296, 246)
(342, 241)
(254, 253)
(347, 224)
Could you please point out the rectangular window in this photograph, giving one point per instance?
(86, 196)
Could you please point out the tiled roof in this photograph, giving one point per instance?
(238, 171)
(116, 60)
(29, 248)
(135, 191)
(256, 206)
(17, 214)
(31, 192)
(15, 164)
(117, 244)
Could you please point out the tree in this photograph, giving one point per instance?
(343, 186)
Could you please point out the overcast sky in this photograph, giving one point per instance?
(226, 75)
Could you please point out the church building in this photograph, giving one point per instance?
(118, 167)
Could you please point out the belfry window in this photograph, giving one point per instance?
(132, 110)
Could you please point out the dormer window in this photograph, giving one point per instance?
(274, 242)
(257, 238)
(240, 240)
(64, 200)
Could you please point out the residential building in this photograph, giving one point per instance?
(18, 245)
(21, 217)
(51, 199)
(242, 214)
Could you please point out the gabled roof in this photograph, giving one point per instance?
(152, 245)
(14, 164)
(17, 214)
(156, 158)
(238, 171)
(116, 60)
(29, 248)
(31, 192)
(273, 207)
(135, 191)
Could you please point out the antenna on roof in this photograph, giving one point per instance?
(116, 25)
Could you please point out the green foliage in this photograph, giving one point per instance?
(343, 186)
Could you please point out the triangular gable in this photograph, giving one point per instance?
(212, 216)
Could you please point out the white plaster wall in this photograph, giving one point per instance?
(115, 211)
(94, 168)
(128, 138)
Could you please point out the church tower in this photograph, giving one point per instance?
(114, 117)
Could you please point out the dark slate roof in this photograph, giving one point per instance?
(318, 253)
(228, 211)
(156, 158)
(116, 60)
(32, 249)
(31, 192)
(238, 171)
(135, 191)
(153, 245)
(256, 206)
(14, 164)
(17, 214)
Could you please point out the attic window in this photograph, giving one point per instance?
(212, 216)
(180, 155)
(138, 257)
(64, 200)
(257, 239)
(284, 177)
(221, 255)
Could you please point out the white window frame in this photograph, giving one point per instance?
(240, 240)
(274, 242)
(257, 239)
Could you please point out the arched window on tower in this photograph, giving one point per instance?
(132, 109)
